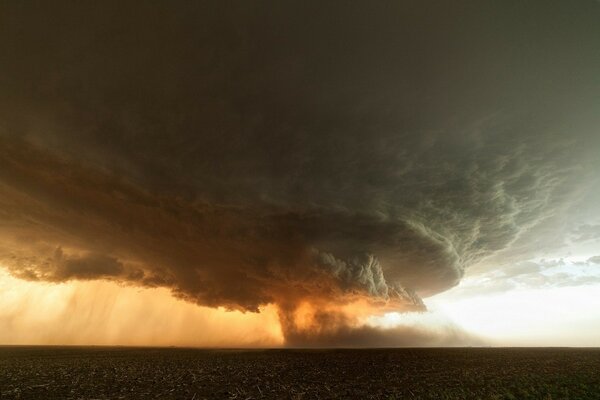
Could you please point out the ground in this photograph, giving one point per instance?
(173, 373)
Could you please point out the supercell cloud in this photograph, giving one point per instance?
(291, 154)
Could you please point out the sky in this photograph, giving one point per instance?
(266, 174)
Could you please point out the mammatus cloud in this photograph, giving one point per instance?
(201, 152)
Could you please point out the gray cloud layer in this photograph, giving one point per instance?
(254, 154)
(594, 260)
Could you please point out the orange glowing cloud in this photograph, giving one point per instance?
(105, 313)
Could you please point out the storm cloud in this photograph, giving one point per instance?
(244, 154)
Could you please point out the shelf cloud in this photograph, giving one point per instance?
(240, 159)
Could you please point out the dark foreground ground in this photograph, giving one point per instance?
(467, 373)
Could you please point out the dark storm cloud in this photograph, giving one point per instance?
(251, 154)
(60, 268)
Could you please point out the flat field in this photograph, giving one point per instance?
(173, 373)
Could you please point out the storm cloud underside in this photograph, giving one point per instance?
(291, 154)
